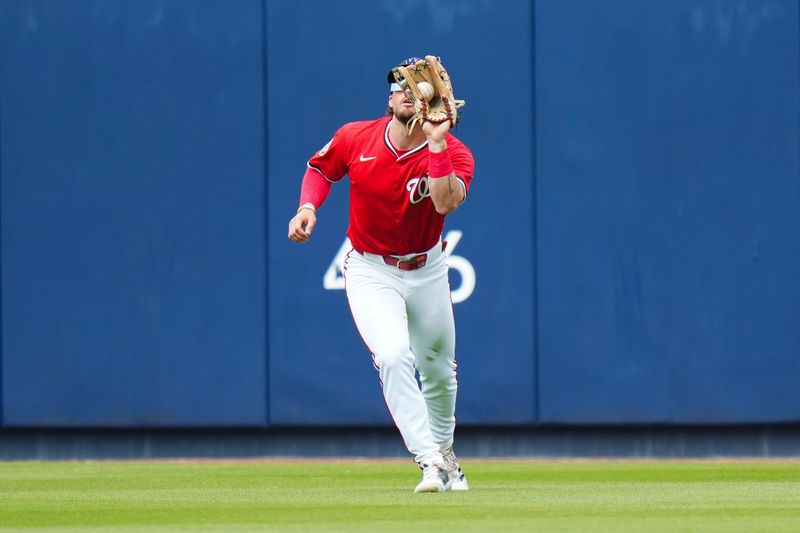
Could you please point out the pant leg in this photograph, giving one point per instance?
(432, 334)
(379, 310)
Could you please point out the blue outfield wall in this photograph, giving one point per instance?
(668, 188)
(132, 213)
(629, 253)
(320, 370)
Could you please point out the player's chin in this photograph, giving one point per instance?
(405, 114)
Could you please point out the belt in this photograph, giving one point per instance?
(412, 263)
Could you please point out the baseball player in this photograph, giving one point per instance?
(402, 185)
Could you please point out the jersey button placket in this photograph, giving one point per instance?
(400, 189)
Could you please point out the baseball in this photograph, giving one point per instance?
(426, 89)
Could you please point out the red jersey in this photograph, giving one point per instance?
(391, 212)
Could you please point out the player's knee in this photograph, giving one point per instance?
(392, 358)
(438, 374)
(437, 370)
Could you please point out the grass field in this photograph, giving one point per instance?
(540, 496)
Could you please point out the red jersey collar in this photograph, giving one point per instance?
(392, 149)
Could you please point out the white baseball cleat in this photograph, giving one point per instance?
(434, 479)
(458, 481)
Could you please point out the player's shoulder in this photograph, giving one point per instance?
(353, 129)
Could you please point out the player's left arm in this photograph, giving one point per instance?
(447, 190)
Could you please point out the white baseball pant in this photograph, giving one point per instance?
(406, 321)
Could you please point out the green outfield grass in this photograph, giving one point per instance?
(538, 496)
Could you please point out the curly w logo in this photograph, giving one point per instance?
(418, 189)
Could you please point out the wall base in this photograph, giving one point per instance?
(563, 442)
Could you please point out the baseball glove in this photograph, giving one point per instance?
(439, 107)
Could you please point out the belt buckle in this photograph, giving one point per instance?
(413, 263)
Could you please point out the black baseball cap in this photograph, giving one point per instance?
(405, 63)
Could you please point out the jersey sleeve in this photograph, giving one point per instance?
(463, 163)
(331, 159)
(315, 189)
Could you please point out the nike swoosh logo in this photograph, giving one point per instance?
(362, 158)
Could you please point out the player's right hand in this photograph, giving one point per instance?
(301, 226)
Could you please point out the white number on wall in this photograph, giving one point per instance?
(334, 278)
(461, 265)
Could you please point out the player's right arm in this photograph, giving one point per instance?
(325, 167)
(313, 194)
